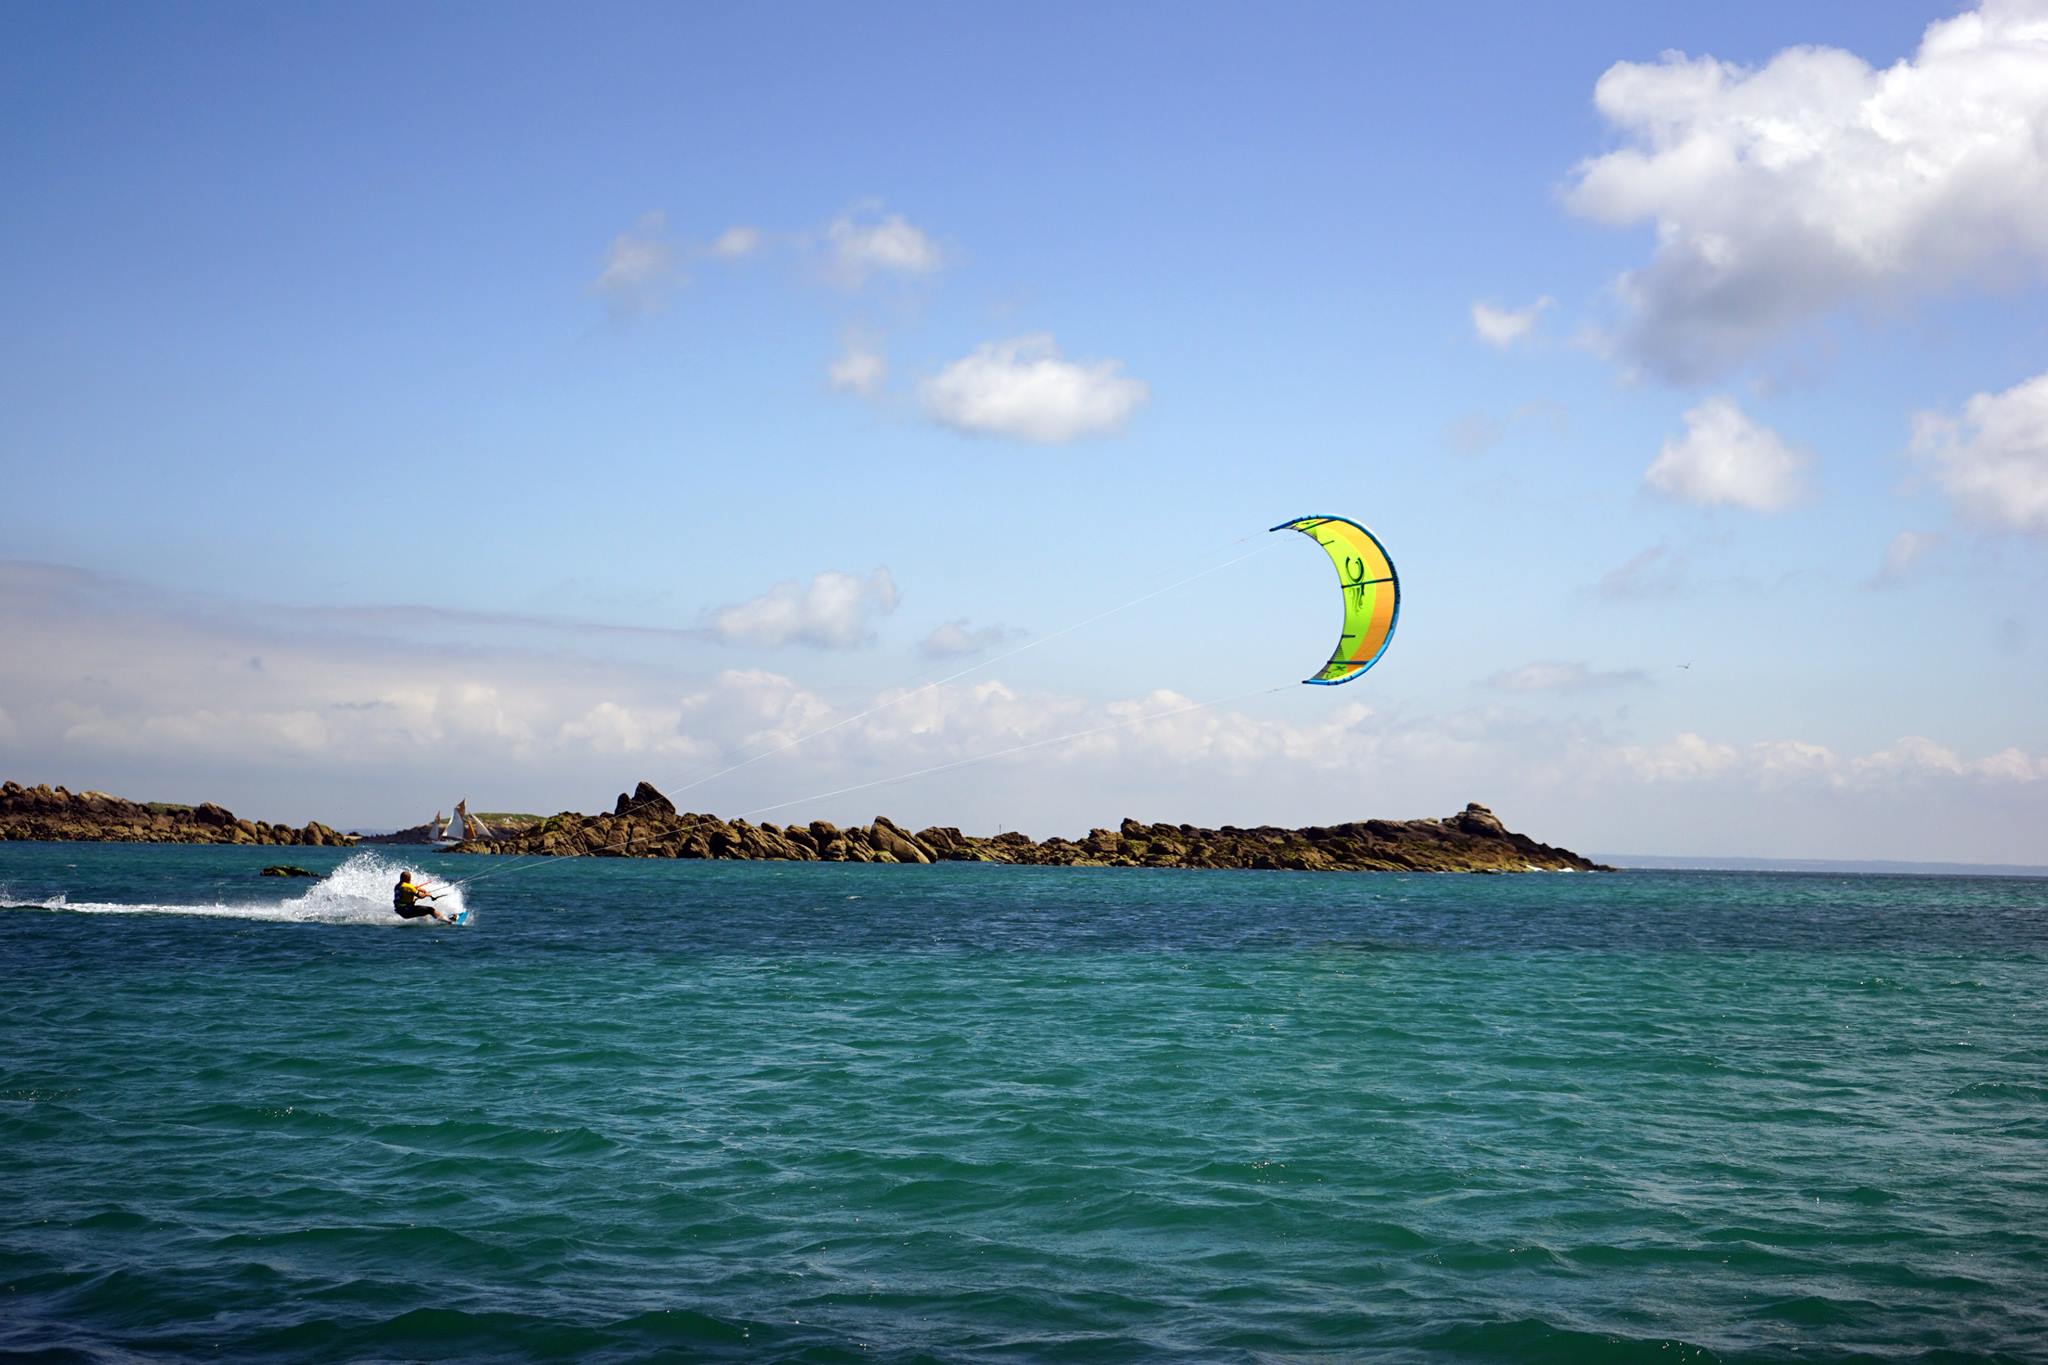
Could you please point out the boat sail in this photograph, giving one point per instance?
(470, 826)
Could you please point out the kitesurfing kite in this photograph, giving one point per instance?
(1372, 594)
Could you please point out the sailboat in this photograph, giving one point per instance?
(465, 826)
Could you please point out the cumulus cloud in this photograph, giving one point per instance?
(958, 639)
(860, 367)
(621, 729)
(864, 243)
(1025, 389)
(833, 611)
(1725, 459)
(1992, 460)
(1779, 194)
(641, 268)
(1503, 327)
(1556, 676)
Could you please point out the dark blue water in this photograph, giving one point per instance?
(830, 1112)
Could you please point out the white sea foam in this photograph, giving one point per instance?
(357, 892)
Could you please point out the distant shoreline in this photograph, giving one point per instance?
(1865, 867)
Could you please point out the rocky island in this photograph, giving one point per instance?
(53, 813)
(646, 824)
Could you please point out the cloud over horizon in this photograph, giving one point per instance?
(834, 610)
(1690, 757)
(148, 694)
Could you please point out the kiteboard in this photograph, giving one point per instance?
(461, 917)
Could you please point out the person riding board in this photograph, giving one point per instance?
(411, 900)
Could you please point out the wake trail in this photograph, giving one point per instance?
(357, 892)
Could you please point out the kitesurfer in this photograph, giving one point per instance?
(411, 900)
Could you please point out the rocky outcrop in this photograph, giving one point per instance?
(54, 813)
(645, 824)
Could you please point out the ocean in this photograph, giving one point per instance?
(858, 1113)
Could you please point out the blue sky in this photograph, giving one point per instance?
(403, 402)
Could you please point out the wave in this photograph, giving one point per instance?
(357, 892)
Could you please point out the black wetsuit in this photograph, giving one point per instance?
(405, 899)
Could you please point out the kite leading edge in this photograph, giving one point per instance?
(1372, 594)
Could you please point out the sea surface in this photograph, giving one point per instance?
(846, 1113)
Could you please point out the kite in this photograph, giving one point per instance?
(1372, 594)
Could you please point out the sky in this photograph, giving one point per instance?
(820, 411)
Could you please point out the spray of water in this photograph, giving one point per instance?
(357, 892)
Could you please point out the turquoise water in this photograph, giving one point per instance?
(827, 1112)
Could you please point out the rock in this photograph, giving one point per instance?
(1477, 819)
(890, 838)
(285, 870)
(645, 801)
(43, 812)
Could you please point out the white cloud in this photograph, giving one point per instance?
(1993, 460)
(614, 728)
(958, 639)
(1547, 676)
(1503, 327)
(1779, 763)
(860, 367)
(1023, 388)
(833, 611)
(1725, 459)
(1781, 193)
(1902, 553)
(640, 268)
(861, 244)
(735, 242)
(2011, 765)
(1686, 757)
